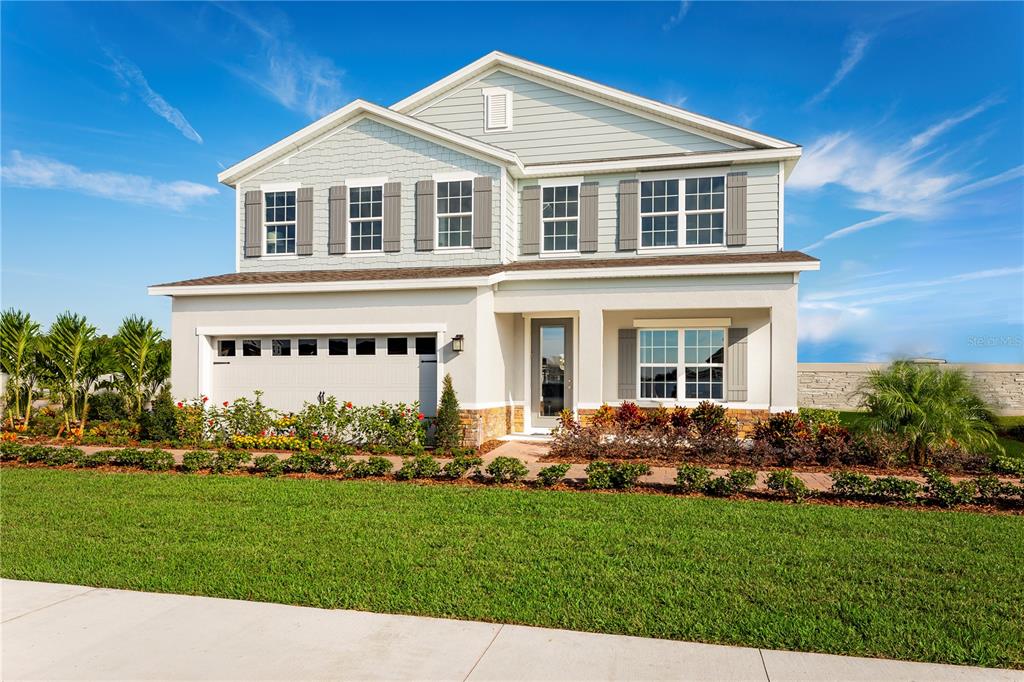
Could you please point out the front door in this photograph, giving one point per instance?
(552, 370)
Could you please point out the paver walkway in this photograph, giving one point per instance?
(69, 632)
(531, 452)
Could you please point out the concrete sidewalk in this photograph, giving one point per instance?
(69, 632)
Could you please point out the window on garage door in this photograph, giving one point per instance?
(337, 346)
(398, 345)
(366, 346)
(426, 345)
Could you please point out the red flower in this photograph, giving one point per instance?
(421, 416)
(211, 422)
(205, 398)
(180, 405)
(225, 403)
(348, 404)
(263, 432)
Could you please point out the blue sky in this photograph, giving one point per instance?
(116, 119)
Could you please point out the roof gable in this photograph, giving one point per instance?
(641, 106)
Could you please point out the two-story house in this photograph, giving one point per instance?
(550, 242)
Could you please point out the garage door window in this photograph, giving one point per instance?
(307, 346)
(281, 347)
(337, 346)
(426, 345)
(398, 345)
(366, 346)
(226, 348)
(251, 348)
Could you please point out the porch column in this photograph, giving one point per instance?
(784, 342)
(590, 360)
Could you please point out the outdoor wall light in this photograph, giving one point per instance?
(458, 343)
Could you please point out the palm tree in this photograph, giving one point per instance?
(74, 362)
(19, 342)
(141, 362)
(928, 406)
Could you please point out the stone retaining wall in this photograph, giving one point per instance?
(835, 385)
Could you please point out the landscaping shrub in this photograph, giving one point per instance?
(618, 475)
(1001, 464)
(948, 494)
(833, 444)
(736, 481)
(302, 462)
(459, 465)
(270, 442)
(507, 470)
(196, 460)
(107, 406)
(878, 450)
(91, 460)
(929, 407)
(692, 477)
(243, 417)
(815, 418)
(783, 438)
(992, 490)
(552, 475)
(897, 489)
(784, 482)
(155, 460)
(447, 423)
(126, 457)
(225, 460)
(10, 450)
(887, 488)
(60, 456)
(420, 466)
(191, 422)
(570, 439)
(34, 453)
(159, 422)
(371, 466)
(329, 421)
(713, 434)
(851, 484)
(268, 465)
(395, 427)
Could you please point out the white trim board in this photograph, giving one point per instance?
(321, 329)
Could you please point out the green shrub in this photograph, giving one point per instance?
(371, 466)
(318, 462)
(225, 460)
(196, 460)
(301, 463)
(618, 475)
(851, 484)
(61, 456)
(507, 470)
(991, 489)
(91, 460)
(459, 465)
(448, 424)
(692, 477)
(784, 482)
(948, 494)
(105, 406)
(268, 465)
(897, 489)
(815, 417)
(158, 423)
(420, 466)
(157, 460)
(552, 475)
(126, 457)
(10, 451)
(736, 481)
(1001, 464)
(34, 453)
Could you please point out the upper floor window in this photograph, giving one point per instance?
(280, 222)
(703, 211)
(366, 222)
(455, 214)
(560, 214)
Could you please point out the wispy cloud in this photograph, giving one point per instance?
(45, 173)
(936, 283)
(677, 18)
(286, 72)
(133, 79)
(856, 45)
(928, 135)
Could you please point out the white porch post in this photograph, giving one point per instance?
(784, 342)
(590, 358)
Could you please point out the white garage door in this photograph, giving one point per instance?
(360, 369)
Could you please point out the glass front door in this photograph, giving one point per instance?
(552, 370)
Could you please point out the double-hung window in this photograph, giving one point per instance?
(365, 218)
(702, 211)
(700, 366)
(560, 213)
(280, 222)
(455, 214)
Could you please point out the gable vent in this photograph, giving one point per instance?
(497, 109)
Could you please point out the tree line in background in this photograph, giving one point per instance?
(71, 365)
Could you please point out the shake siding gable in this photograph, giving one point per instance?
(371, 149)
(552, 125)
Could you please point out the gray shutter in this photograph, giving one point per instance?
(736, 213)
(629, 214)
(736, 365)
(588, 217)
(338, 205)
(425, 215)
(304, 221)
(482, 212)
(392, 217)
(628, 361)
(253, 224)
(531, 220)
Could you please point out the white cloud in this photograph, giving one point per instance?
(46, 173)
(286, 72)
(677, 18)
(131, 77)
(856, 44)
(924, 138)
(822, 322)
(821, 296)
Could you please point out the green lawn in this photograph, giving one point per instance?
(921, 585)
